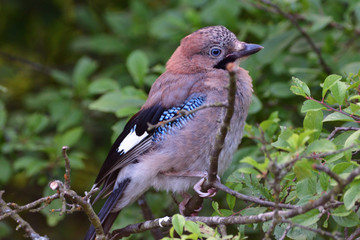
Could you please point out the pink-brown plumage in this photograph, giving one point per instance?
(194, 71)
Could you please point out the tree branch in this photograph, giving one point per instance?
(293, 20)
(30, 232)
(338, 129)
(319, 231)
(146, 211)
(243, 197)
(355, 234)
(263, 217)
(220, 138)
(36, 66)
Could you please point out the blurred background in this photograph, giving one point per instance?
(73, 71)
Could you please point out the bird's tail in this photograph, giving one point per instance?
(106, 216)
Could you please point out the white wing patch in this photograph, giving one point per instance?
(130, 141)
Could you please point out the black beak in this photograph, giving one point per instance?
(247, 51)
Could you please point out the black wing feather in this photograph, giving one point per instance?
(114, 160)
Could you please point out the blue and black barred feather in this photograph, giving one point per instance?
(178, 123)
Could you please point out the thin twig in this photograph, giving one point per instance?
(286, 166)
(293, 20)
(356, 118)
(146, 211)
(30, 232)
(220, 138)
(355, 234)
(328, 172)
(287, 229)
(263, 217)
(222, 230)
(67, 179)
(297, 16)
(36, 66)
(319, 231)
(196, 201)
(243, 197)
(84, 204)
(343, 129)
(29, 206)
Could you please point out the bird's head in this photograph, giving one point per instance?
(208, 48)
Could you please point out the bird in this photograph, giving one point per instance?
(170, 155)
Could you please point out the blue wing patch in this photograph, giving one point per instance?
(178, 123)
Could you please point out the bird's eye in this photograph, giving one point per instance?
(215, 51)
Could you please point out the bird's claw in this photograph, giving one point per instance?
(211, 192)
(164, 219)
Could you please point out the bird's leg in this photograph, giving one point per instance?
(211, 192)
(182, 206)
(186, 198)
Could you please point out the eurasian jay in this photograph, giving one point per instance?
(141, 157)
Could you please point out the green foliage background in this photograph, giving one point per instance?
(81, 68)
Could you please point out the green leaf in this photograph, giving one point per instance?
(354, 108)
(338, 90)
(178, 221)
(301, 234)
(255, 105)
(282, 142)
(336, 116)
(352, 67)
(311, 105)
(253, 211)
(307, 218)
(116, 100)
(298, 87)
(329, 82)
(5, 170)
(99, 43)
(306, 187)
(343, 169)
(353, 139)
(340, 211)
(351, 220)
(83, 69)
(61, 77)
(31, 165)
(322, 145)
(324, 180)
(280, 90)
(313, 121)
(319, 22)
(230, 201)
(193, 228)
(352, 195)
(103, 85)
(252, 162)
(303, 169)
(36, 122)
(275, 45)
(248, 171)
(69, 138)
(138, 66)
(215, 206)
